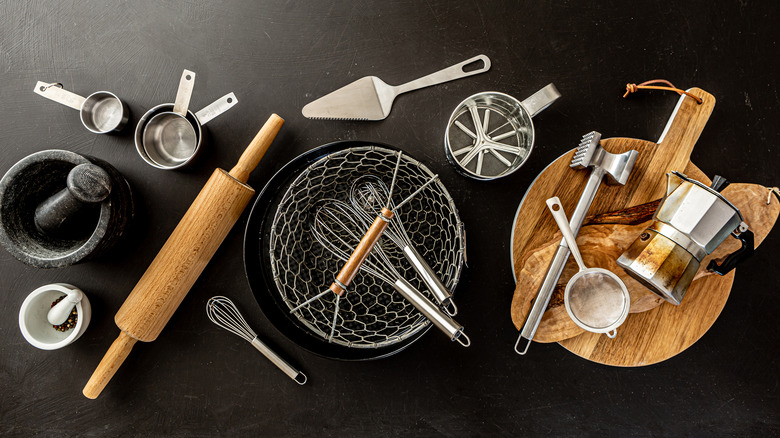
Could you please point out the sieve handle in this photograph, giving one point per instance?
(364, 248)
(554, 204)
(55, 92)
(446, 75)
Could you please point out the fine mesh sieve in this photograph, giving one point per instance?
(372, 314)
(595, 298)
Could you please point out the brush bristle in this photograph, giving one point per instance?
(584, 153)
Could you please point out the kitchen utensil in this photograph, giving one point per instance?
(338, 227)
(595, 298)
(499, 141)
(285, 265)
(369, 98)
(222, 312)
(60, 312)
(642, 341)
(35, 179)
(168, 135)
(691, 221)
(34, 324)
(614, 232)
(87, 185)
(101, 112)
(617, 167)
(183, 257)
(366, 195)
(367, 242)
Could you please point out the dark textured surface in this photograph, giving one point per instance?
(276, 56)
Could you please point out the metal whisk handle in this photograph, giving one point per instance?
(365, 246)
(222, 312)
(282, 364)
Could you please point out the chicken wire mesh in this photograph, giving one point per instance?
(372, 314)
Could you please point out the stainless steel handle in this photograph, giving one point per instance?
(437, 288)
(444, 323)
(556, 267)
(55, 92)
(445, 75)
(216, 108)
(554, 204)
(184, 93)
(540, 100)
(288, 369)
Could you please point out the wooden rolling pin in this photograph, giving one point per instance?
(183, 257)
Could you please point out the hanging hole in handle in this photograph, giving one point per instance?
(517, 344)
(473, 66)
(611, 334)
(53, 84)
(450, 308)
(229, 100)
(301, 382)
(188, 77)
(459, 337)
(555, 207)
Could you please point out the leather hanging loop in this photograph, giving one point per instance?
(648, 85)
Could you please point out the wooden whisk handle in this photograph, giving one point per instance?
(257, 148)
(365, 246)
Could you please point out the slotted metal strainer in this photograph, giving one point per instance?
(373, 320)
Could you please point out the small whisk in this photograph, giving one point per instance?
(222, 312)
(336, 226)
(365, 195)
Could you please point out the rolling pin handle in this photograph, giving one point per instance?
(111, 362)
(257, 148)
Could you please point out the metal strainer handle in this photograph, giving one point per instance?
(554, 204)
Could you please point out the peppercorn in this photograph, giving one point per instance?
(70, 322)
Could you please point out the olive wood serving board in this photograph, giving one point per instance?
(617, 215)
(604, 237)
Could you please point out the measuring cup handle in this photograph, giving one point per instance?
(216, 108)
(55, 92)
(554, 204)
(540, 100)
(446, 75)
(184, 93)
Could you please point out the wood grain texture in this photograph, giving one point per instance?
(183, 257)
(602, 243)
(355, 261)
(647, 182)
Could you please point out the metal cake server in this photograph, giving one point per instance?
(370, 98)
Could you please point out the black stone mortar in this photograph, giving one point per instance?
(37, 177)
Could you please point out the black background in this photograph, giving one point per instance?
(277, 56)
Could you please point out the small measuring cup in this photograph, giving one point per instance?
(101, 112)
(169, 136)
(596, 299)
(498, 141)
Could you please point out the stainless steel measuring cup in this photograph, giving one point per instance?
(169, 136)
(490, 134)
(101, 112)
(596, 299)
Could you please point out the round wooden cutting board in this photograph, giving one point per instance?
(655, 330)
